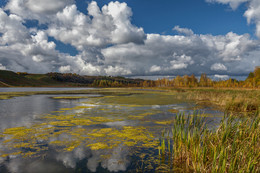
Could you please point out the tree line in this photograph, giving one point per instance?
(96, 81)
(252, 81)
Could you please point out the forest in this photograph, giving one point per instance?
(252, 81)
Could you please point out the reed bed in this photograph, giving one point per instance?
(246, 101)
(234, 145)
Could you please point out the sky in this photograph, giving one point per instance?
(130, 37)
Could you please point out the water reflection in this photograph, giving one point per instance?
(23, 111)
(21, 165)
(22, 89)
(82, 135)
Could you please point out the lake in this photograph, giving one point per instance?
(98, 132)
(22, 89)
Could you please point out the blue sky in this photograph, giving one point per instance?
(130, 37)
(203, 18)
(161, 16)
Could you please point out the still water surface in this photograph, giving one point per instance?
(22, 89)
(41, 134)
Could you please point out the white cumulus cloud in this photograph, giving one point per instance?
(218, 67)
(222, 77)
(155, 68)
(233, 3)
(181, 54)
(252, 13)
(109, 44)
(2, 67)
(109, 25)
(185, 31)
(65, 69)
(37, 9)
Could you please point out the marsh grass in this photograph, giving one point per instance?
(102, 91)
(236, 100)
(246, 101)
(191, 147)
(141, 99)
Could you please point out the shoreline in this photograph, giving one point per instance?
(239, 100)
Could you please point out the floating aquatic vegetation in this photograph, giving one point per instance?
(57, 111)
(149, 113)
(71, 97)
(134, 98)
(128, 136)
(29, 142)
(83, 107)
(73, 120)
(25, 141)
(98, 146)
(75, 108)
(96, 127)
(173, 111)
(140, 99)
(66, 109)
(136, 117)
(143, 115)
(164, 122)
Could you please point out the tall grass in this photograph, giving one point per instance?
(233, 147)
(229, 100)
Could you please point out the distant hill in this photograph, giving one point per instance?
(23, 79)
(9, 78)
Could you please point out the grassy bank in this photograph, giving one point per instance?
(233, 147)
(244, 101)
(102, 91)
(230, 100)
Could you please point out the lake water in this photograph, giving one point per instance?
(85, 133)
(22, 89)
